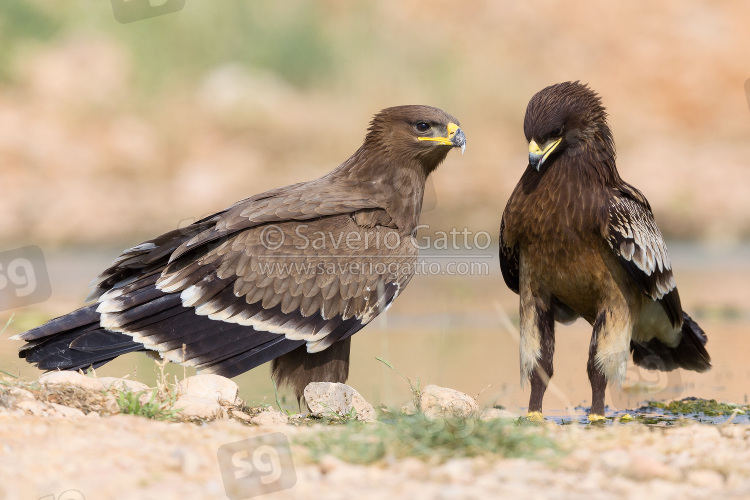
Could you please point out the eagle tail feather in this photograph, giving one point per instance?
(689, 354)
(81, 317)
(49, 345)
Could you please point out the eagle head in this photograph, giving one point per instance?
(566, 119)
(422, 134)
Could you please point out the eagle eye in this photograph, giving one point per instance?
(423, 126)
(558, 132)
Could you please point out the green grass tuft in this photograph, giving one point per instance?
(420, 437)
(130, 404)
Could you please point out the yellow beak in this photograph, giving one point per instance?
(455, 138)
(537, 155)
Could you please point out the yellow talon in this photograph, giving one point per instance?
(597, 418)
(626, 418)
(535, 416)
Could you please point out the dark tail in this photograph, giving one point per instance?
(689, 354)
(77, 340)
(74, 342)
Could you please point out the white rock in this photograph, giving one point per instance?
(706, 478)
(454, 471)
(413, 468)
(614, 459)
(20, 394)
(409, 408)
(66, 411)
(299, 417)
(646, 466)
(440, 402)
(34, 407)
(209, 386)
(110, 404)
(72, 378)
(193, 406)
(123, 384)
(325, 397)
(488, 414)
(269, 416)
(241, 415)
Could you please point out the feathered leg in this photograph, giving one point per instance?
(298, 368)
(542, 374)
(596, 375)
(537, 343)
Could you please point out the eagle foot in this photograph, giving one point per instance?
(535, 416)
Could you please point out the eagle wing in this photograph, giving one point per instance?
(303, 201)
(509, 259)
(249, 286)
(313, 281)
(634, 237)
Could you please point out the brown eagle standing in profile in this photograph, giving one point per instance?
(577, 240)
(288, 275)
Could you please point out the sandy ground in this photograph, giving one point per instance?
(131, 457)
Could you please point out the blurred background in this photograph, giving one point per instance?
(111, 133)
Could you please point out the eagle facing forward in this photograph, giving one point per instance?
(578, 241)
(287, 275)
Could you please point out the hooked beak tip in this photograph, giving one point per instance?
(459, 140)
(535, 161)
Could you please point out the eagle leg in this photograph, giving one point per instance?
(542, 372)
(298, 368)
(596, 375)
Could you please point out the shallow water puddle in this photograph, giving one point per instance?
(705, 411)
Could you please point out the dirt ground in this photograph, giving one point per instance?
(132, 457)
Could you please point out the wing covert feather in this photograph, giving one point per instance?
(634, 237)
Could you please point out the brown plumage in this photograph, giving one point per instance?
(577, 240)
(287, 275)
